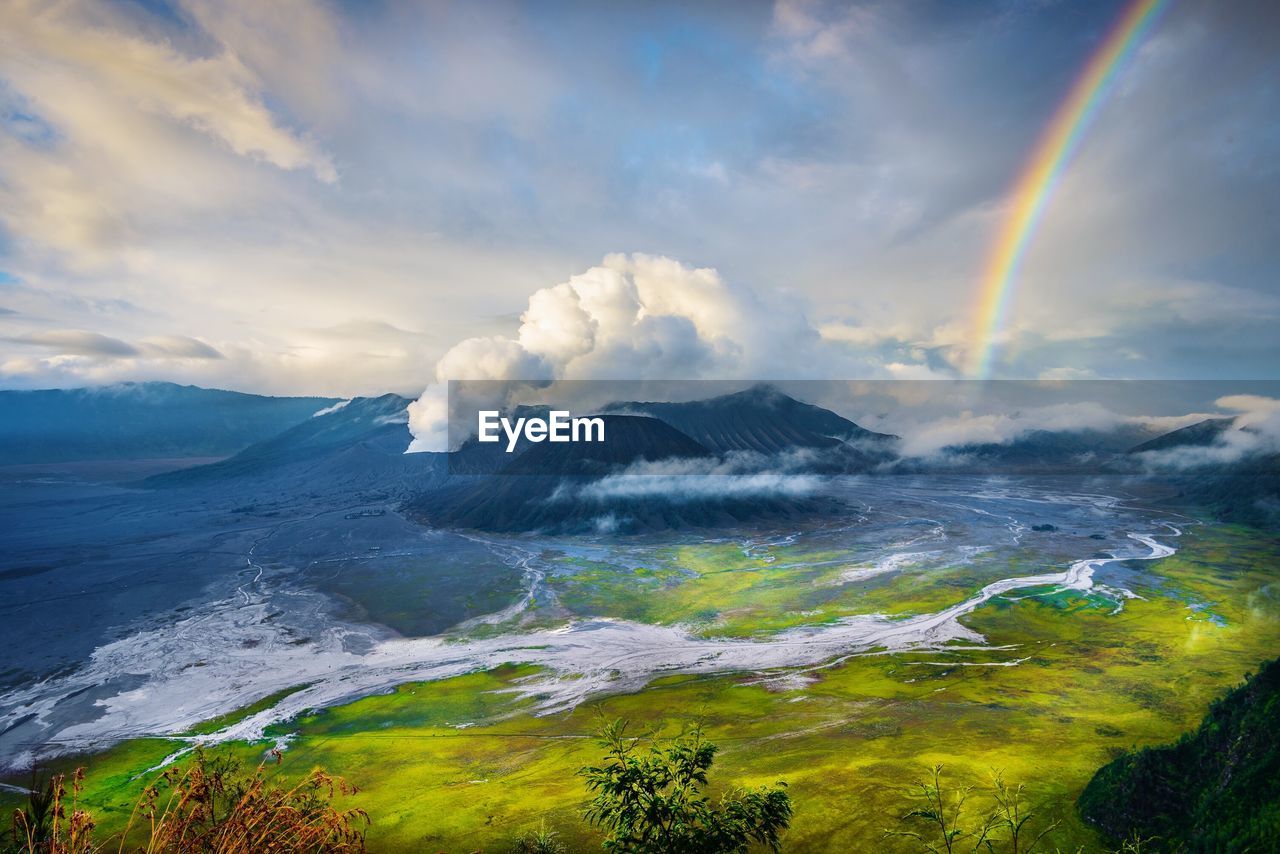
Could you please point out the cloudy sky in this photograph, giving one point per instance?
(324, 197)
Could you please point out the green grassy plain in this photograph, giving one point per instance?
(460, 765)
(716, 589)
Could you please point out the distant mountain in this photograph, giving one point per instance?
(1215, 790)
(134, 421)
(763, 420)
(1047, 451)
(359, 444)
(1200, 434)
(1246, 490)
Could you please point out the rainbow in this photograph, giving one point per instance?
(1039, 177)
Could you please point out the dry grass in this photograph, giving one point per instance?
(208, 805)
(44, 826)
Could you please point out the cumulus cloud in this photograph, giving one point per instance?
(633, 317)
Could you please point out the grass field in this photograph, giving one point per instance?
(719, 589)
(459, 765)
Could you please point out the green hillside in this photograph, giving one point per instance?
(1216, 789)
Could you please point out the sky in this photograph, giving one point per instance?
(352, 198)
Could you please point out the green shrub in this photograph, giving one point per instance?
(650, 799)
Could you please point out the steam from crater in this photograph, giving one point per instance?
(634, 317)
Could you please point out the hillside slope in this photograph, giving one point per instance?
(357, 447)
(1245, 491)
(1200, 434)
(1217, 789)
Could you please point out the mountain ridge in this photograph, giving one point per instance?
(758, 419)
(134, 421)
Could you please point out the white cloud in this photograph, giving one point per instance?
(1254, 409)
(969, 427)
(678, 480)
(682, 488)
(1253, 432)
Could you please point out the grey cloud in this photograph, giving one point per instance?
(181, 347)
(78, 342)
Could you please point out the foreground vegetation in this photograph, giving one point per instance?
(654, 800)
(207, 805)
(646, 800)
(944, 820)
(649, 797)
(464, 765)
(1217, 789)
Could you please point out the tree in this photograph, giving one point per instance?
(652, 801)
